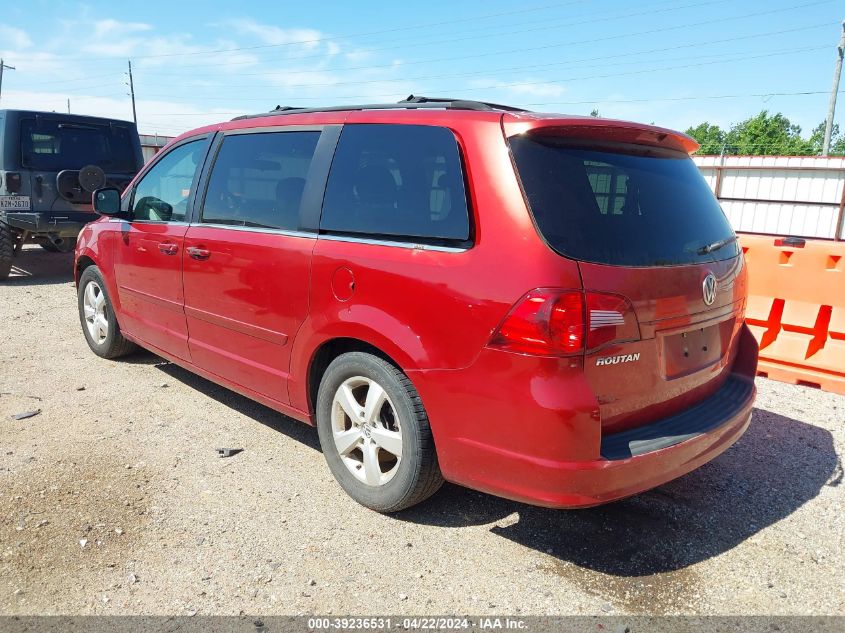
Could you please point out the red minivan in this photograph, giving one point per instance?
(544, 307)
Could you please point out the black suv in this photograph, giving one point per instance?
(49, 165)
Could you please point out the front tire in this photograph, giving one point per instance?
(375, 434)
(99, 322)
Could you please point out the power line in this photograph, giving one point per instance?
(287, 72)
(520, 83)
(497, 71)
(597, 101)
(530, 49)
(510, 31)
(351, 35)
(85, 78)
(77, 89)
(83, 88)
(691, 98)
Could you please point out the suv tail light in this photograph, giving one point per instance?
(13, 182)
(553, 322)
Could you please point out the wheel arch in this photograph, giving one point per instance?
(82, 262)
(330, 349)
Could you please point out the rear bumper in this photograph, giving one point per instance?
(64, 225)
(517, 439)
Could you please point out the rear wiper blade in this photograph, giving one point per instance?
(715, 246)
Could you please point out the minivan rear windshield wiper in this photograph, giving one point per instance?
(715, 246)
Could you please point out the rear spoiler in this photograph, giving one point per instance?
(594, 129)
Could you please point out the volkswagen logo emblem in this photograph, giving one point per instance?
(708, 289)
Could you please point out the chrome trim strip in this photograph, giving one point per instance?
(126, 221)
(255, 229)
(409, 245)
(312, 235)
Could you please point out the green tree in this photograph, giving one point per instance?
(837, 140)
(710, 137)
(767, 134)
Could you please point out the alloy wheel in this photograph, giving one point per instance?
(96, 315)
(366, 430)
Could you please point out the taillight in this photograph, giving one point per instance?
(544, 322)
(553, 322)
(13, 182)
(611, 319)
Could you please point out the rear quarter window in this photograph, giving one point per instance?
(627, 206)
(398, 182)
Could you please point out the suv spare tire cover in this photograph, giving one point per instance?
(68, 186)
(92, 177)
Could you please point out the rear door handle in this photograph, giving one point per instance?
(199, 253)
(168, 248)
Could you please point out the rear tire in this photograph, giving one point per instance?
(367, 412)
(7, 249)
(98, 320)
(66, 246)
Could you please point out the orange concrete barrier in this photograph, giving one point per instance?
(796, 309)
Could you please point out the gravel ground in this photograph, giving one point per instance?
(113, 501)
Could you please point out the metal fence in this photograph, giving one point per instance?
(782, 195)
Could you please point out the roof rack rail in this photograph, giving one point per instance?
(411, 103)
(462, 104)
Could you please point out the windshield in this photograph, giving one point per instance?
(629, 206)
(57, 145)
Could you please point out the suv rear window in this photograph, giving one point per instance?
(632, 206)
(57, 145)
(401, 181)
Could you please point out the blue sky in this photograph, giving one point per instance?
(653, 61)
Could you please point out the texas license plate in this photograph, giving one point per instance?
(14, 203)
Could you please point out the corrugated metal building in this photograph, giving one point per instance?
(786, 195)
(152, 143)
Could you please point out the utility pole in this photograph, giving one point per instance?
(2, 66)
(831, 106)
(132, 92)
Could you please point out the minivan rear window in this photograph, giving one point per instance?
(626, 206)
(58, 145)
(398, 181)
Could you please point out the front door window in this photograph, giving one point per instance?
(162, 194)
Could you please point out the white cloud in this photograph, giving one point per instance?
(114, 38)
(528, 87)
(276, 36)
(164, 52)
(164, 117)
(179, 84)
(13, 38)
(115, 28)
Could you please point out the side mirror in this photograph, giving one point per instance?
(106, 201)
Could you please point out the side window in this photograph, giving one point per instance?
(162, 194)
(397, 180)
(258, 179)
